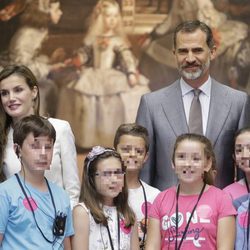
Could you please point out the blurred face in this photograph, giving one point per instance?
(109, 179)
(242, 152)
(110, 18)
(190, 162)
(133, 152)
(55, 12)
(17, 97)
(36, 152)
(193, 55)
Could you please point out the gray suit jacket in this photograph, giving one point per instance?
(162, 113)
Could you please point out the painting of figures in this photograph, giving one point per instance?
(94, 59)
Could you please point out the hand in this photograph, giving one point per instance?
(7, 13)
(58, 55)
(133, 79)
(57, 66)
(73, 61)
(144, 41)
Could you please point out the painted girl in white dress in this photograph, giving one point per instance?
(109, 87)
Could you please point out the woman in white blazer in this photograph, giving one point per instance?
(20, 97)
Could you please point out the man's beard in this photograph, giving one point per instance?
(194, 75)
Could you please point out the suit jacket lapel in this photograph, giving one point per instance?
(173, 108)
(218, 111)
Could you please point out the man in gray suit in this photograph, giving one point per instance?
(165, 113)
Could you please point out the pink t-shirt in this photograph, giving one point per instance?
(240, 199)
(202, 231)
(236, 190)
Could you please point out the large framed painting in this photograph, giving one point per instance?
(95, 59)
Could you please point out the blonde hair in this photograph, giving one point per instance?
(95, 22)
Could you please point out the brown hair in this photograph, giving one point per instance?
(134, 130)
(238, 172)
(37, 125)
(208, 150)
(33, 16)
(191, 26)
(2, 146)
(93, 200)
(5, 119)
(240, 132)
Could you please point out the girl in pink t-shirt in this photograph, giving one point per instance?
(239, 191)
(193, 215)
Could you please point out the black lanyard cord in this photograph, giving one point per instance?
(146, 212)
(189, 220)
(248, 210)
(109, 234)
(31, 208)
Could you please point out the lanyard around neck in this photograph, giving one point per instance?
(31, 208)
(189, 220)
(109, 234)
(248, 210)
(146, 213)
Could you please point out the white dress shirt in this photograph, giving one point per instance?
(187, 97)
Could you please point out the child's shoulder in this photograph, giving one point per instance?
(216, 195)
(149, 188)
(80, 210)
(9, 184)
(167, 193)
(138, 193)
(10, 189)
(235, 190)
(55, 186)
(213, 190)
(58, 190)
(233, 186)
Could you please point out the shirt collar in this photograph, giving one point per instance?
(205, 87)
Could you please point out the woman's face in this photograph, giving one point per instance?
(17, 97)
(55, 12)
(110, 18)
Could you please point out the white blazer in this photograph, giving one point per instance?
(63, 170)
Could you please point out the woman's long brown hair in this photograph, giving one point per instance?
(5, 119)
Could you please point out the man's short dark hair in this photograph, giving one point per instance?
(191, 26)
(134, 130)
(37, 125)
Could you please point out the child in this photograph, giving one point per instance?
(103, 219)
(195, 214)
(131, 141)
(20, 97)
(35, 213)
(239, 191)
(109, 88)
